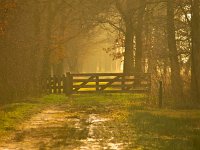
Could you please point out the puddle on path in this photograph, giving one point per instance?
(92, 142)
(59, 129)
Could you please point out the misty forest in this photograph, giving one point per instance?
(100, 74)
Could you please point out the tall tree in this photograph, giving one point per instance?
(138, 36)
(176, 81)
(195, 83)
(126, 9)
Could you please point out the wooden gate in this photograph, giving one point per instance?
(99, 82)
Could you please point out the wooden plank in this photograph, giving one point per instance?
(97, 83)
(125, 83)
(59, 84)
(111, 86)
(109, 83)
(99, 86)
(48, 82)
(84, 83)
(64, 83)
(55, 85)
(160, 94)
(69, 84)
(144, 75)
(110, 74)
(111, 91)
(102, 80)
(98, 74)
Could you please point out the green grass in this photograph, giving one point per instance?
(11, 115)
(165, 129)
(142, 126)
(133, 122)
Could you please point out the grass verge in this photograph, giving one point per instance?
(13, 114)
(134, 123)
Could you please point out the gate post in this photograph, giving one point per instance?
(64, 83)
(48, 85)
(69, 84)
(123, 82)
(97, 83)
(160, 94)
(55, 81)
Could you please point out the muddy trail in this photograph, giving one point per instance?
(104, 122)
(63, 127)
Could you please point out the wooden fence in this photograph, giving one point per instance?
(99, 82)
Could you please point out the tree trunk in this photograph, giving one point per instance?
(195, 56)
(58, 68)
(128, 54)
(176, 81)
(139, 48)
(125, 9)
(36, 53)
(46, 71)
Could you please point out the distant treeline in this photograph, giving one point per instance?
(40, 37)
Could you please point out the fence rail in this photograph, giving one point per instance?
(99, 82)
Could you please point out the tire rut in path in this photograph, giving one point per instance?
(56, 128)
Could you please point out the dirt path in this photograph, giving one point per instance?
(61, 127)
(90, 122)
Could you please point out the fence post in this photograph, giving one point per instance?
(123, 82)
(48, 85)
(64, 83)
(160, 94)
(55, 84)
(97, 83)
(69, 84)
(59, 84)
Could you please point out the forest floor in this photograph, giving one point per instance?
(95, 122)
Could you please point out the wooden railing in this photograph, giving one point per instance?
(99, 82)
